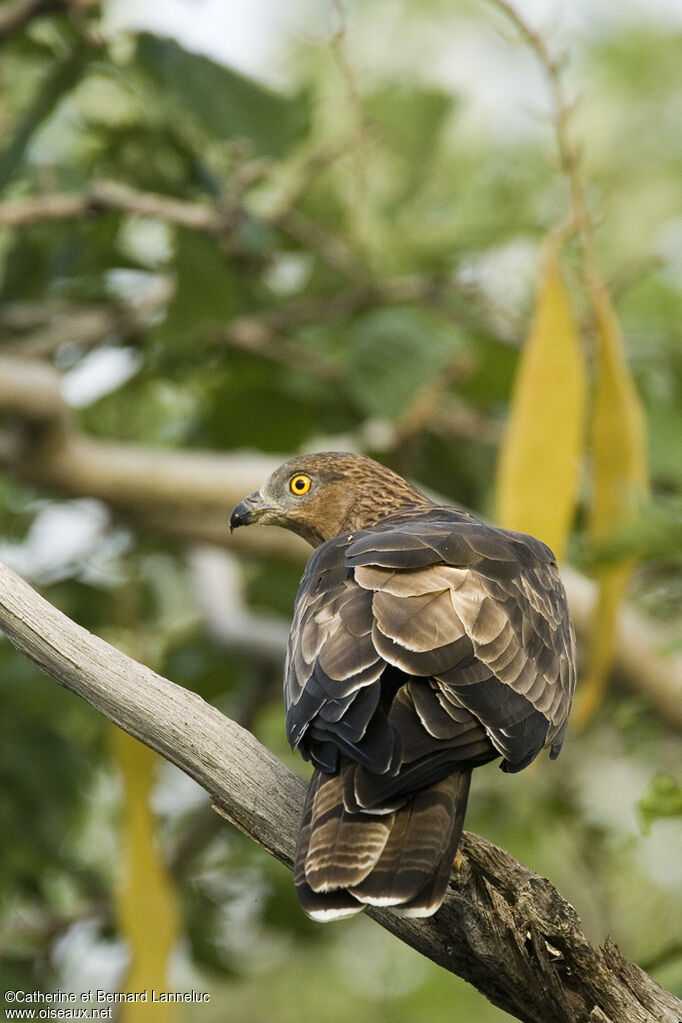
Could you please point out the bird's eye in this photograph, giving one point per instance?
(299, 484)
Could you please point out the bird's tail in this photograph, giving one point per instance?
(401, 858)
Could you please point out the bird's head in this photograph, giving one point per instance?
(323, 495)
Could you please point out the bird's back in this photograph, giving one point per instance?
(420, 648)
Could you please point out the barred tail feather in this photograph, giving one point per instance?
(430, 897)
(402, 859)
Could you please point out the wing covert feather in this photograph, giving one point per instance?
(421, 646)
(477, 615)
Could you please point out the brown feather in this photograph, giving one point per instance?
(420, 838)
(343, 847)
(423, 644)
(429, 898)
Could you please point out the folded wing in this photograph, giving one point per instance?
(419, 649)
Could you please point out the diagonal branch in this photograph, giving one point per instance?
(502, 928)
(189, 496)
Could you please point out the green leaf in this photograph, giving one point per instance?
(49, 746)
(394, 353)
(412, 118)
(61, 79)
(225, 103)
(248, 404)
(206, 292)
(75, 253)
(663, 798)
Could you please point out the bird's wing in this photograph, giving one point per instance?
(483, 612)
(332, 670)
(466, 623)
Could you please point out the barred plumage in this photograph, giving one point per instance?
(423, 644)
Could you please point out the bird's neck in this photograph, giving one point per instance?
(365, 516)
(389, 495)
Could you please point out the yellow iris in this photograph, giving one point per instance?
(299, 484)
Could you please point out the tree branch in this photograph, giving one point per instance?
(110, 195)
(569, 152)
(40, 329)
(217, 585)
(502, 928)
(219, 220)
(261, 333)
(190, 495)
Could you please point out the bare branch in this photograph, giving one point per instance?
(218, 594)
(502, 928)
(110, 195)
(30, 390)
(189, 496)
(220, 220)
(239, 774)
(569, 150)
(331, 249)
(39, 329)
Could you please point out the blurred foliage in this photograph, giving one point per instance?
(383, 234)
(663, 798)
(223, 103)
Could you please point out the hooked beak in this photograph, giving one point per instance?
(248, 511)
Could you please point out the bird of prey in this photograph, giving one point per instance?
(423, 644)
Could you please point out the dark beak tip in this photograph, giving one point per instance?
(237, 518)
(243, 513)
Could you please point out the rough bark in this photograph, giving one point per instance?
(502, 928)
(189, 496)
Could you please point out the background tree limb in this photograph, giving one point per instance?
(502, 928)
(111, 195)
(190, 495)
